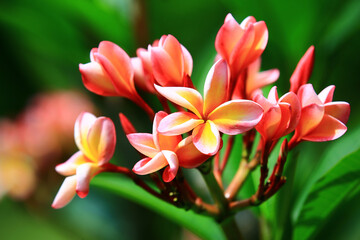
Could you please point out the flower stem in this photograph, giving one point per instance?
(231, 230)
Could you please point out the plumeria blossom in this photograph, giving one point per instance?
(96, 139)
(212, 115)
(321, 119)
(110, 73)
(281, 116)
(251, 81)
(171, 62)
(241, 44)
(303, 70)
(162, 151)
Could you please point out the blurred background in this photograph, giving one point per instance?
(42, 43)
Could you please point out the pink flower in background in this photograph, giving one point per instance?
(321, 119)
(96, 139)
(210, 116)
(303, 70)
(171, 62)
(281, 116)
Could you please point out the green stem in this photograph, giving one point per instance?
(215, 190)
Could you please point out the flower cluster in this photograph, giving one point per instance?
(191, 137)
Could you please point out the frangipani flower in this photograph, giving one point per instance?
(96, 139)
(303, 70)
(241, 44)
(211, 115)
(110, 73)
(280, 115)
(161, 151)
(321, 119)
(251, 81)
(171, 62)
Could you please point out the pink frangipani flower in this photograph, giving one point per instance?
(208, 117)
(96, 139)
(281, 116)
(241, 44)
(162, 151)
(321, 119)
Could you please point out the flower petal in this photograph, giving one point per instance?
(310, 118)
(303, 70)
(188, 62)
(188, 155)
(179, 123)
(261, 80)
(292, 99)
(328, 129)
(170, 172)
(96, 80)
(228, 36)
(308, 96)
(185, 97)
(161, 141)
(150, 165)
(216, 86)
(284, 126)
(269, 123)
(84, 173)
(338, 110)
(206, 138)
(236, 116)
(102, 140)
(68, 168)
(260, 41)
(327, 94)
(66, 193)
(144, 143)
(172, 46)
(83, 124)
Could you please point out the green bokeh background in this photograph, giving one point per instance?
(42, 43)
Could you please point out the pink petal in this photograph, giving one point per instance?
(161, 141)
(310, 118)
(188, 62)
(328, 129)
(172, 46)
(66, 193)
(308, 96)
(188, 155)
(216, 86)
(273, 95)
(206, 138)
(264, 103)
(102, 140)
(228, 36)
(144, 143)
(303, 70)
(338, 110)
(239, 58)
(292, 99)
(261, 80)
(83, 124)
(84, 173)
(285, 126)
(185, 97)
(247, 22)
(269, 124)
(260, 41)
(179, 123)
(236, 116)
(96, 80)
(170, 172)
(165, 70)
(327, 94)
(68, 168)
(150, 165)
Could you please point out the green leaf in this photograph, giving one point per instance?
(204, 227)
(337, 185)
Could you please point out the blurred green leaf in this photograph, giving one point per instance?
(336, 186)
(204, 227)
